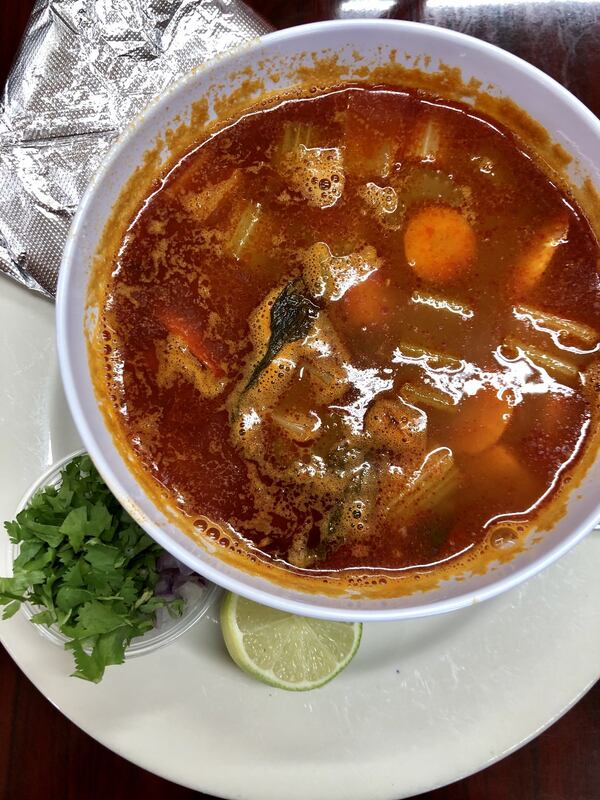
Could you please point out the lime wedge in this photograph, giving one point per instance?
(283, 650)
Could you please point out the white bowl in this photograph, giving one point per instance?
(570, 124)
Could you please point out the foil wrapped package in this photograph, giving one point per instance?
(85, 68)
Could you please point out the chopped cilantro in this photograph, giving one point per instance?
(89, 568)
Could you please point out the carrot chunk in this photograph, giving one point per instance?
(366, 302)
(480, 422)
(499, 472)
(178, 325)
(439, 244)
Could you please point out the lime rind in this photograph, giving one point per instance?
(283, 650)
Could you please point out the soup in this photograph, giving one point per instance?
(356, 330)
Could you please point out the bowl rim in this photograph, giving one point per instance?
(69, 380)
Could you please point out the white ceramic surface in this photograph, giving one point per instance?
(572, 126)
(424, 703)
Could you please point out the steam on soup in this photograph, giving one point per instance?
(355, 330)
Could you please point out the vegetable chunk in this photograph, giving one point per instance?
(439, 244)
(368, 302)
(180, 326)
(396, 426)
(436, 480)
(480, 422)
(329, 277)
(535, 260)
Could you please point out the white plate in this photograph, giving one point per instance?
(424, 703)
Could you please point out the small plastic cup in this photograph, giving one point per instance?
(168, 628)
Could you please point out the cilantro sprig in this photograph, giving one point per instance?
(88, 566)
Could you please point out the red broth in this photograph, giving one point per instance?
(357, 329)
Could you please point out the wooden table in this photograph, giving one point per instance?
(45, 757)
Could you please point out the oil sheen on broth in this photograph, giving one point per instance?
(357, 329)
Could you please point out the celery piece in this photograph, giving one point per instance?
(421, 183)
(421, 395)
(556, 367)
(407, 353)
(442, 303)
(396, 426)
(323, 357)
(295, 134)
(425, 145)
(374, 159)
(316, 173)
(242, 232)
(559, 326)
(299, 426)
(370, 140)
(201, 205)
(433, 483)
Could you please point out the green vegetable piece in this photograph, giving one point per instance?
(61, 501)
(15, 532)
(88, 568)
(13, 589)
(89, 667)
(103, 557)
(100, 520)
(44, 618)
(11, 609)
(46, 533)
(73, 576)
(111, 646)
(27, 552)
(74, 527)
(96, 617)
(128, 591)
(68, 597)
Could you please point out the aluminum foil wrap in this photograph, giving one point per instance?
(85, 68)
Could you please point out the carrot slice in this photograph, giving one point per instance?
(480, 422)
(366, 302)
(178, 325)
(439, 244)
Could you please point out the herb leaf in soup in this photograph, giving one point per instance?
(292, 316)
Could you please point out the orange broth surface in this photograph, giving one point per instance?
(357, 329)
